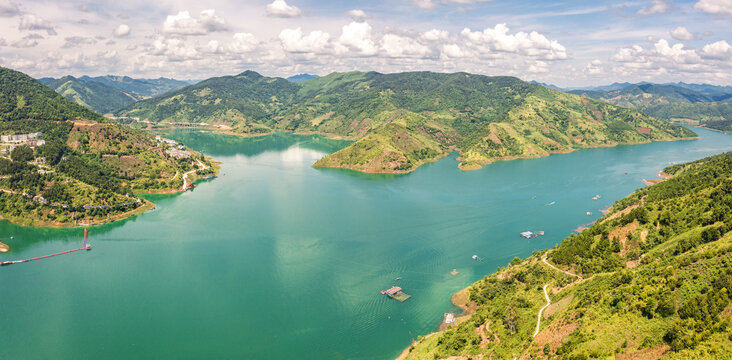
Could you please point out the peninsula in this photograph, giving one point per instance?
(64, 165)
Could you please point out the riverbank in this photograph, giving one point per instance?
(26, 221)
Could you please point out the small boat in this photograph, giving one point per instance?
(551, 203)
(399, 278)
(476, 257)
(588, 213)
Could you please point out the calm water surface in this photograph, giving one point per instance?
(277, 260)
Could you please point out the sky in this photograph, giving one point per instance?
(566, 43)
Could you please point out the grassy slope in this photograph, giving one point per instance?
(402, 120)
(99, 162)
(653, 282)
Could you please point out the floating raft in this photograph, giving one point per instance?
(396, 293)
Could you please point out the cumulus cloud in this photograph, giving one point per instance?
(451, 51)
(183, 24)
(531, 44)
(174, 49)
(25, 42)
(435, 35)
(424, 4)
(720, 7)
(243, 43)
(357, 15)
(8, 9)
(30, 22)
(594, 68)
(401, 46)
(657, 7)
(294, 41)
(279, 8)
(122, 30)
(681, 33)
(718, 50)
(357, 36)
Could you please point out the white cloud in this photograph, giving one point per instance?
(25, 42)
(435, 35)
(451, 51)
(183, 24)
(292, 40)
(538, 67)
(401, 46)
(676, 52)
(279, 8)
(594, 68)
(357, 36)
(174, 49)
(243, 43)
(424, 4)
(122, 30)
(8, 9)
(531, 44)
(357, 15)
(429, 4)
(719, 50)
(722, 7)
(657, 7)
(30, 22)
(681, 33)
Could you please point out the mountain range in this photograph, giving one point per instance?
(400, 121)
(104, 94)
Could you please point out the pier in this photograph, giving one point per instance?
(84, 246)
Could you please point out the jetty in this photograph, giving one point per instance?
(396, 293)
(84, 246)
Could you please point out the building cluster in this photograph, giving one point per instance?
(13, 141)
(176, 150)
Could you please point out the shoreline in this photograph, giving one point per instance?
(461, 300)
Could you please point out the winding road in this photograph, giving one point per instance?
(538, 320)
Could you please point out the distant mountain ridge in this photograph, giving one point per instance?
(104, 94)
(405, 119)
(301, 77)
(707, 106)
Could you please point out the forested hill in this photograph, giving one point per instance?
(708, 106)
(82, 169)
(403, 120)
(91, 94)
(22, 97)
(649, 280)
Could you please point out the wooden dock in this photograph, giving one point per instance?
(84, 246)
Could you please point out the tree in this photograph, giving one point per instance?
(22, 153)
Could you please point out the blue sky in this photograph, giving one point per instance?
(568, 43)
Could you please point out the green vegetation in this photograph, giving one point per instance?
(403, 120)
(653, 280)
(93, 95)
(88, 169)
(672, 102)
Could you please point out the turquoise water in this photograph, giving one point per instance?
(277, 260)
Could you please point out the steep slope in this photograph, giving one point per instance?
(674, 102)
(144, 88)
(82, 169)
(402, 120)
(93, 95)
(649, 280)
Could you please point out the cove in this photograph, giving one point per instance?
(277, 260)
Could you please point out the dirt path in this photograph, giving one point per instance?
(185, 176)
(548, 302)
(558, 269)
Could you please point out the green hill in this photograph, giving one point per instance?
(673, 102)
(649, 280)
(88, 168)
(93, 95)
(403, 120)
